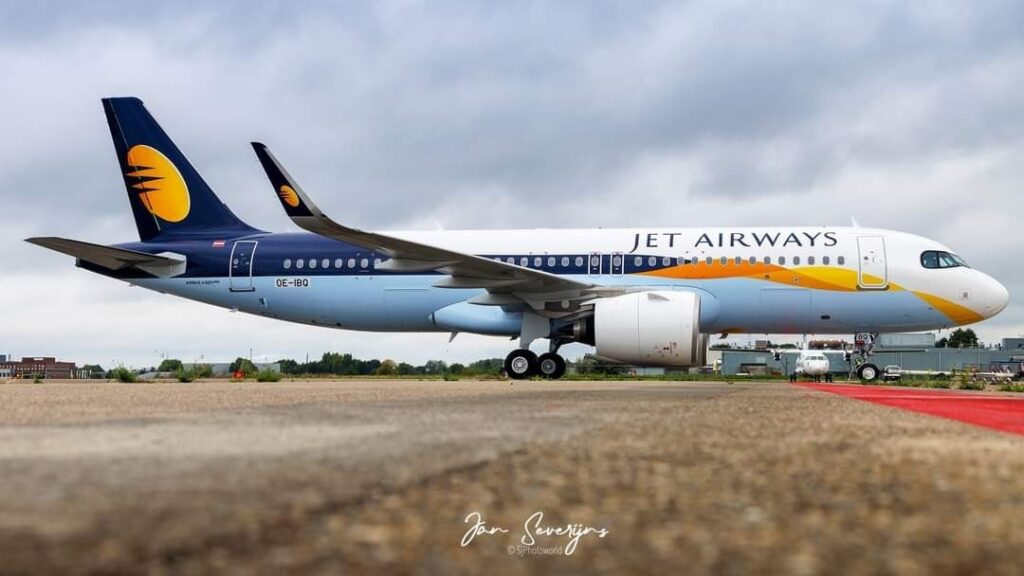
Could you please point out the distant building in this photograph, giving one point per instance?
(908, 351)
(1013, 344)
(44, 367)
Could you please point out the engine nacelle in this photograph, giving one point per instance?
(650, 329)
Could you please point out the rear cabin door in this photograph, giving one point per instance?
(873, 274)
(240, 269)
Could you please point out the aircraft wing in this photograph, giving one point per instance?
(463, 270)
(114, 258)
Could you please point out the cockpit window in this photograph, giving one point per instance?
(939, 259)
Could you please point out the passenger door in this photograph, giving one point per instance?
(240, 268)
(873, 274)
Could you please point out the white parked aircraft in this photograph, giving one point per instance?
(642, 295)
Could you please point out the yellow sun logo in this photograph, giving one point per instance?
(288, 196)
(161, 188)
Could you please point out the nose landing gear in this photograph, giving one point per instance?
(864, 345)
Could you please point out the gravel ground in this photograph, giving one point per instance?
(380, 476)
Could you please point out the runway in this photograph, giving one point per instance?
(344, 476)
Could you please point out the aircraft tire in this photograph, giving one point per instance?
(551, 366)
(867, 373)
(520, 364)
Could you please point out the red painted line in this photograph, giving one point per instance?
(996, 412)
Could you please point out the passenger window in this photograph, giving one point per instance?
(796, 260)
(377, 262)
(511, 260)
(579, 261)
(595, 261)
(666, 261)
(551, 261)
(338, 262)
(325, 263)
(300, 263)
(841, 260)
(312, 263)
(723, 260)
(824, 260)
(652, 261)
(617, 261)
(767, 259)
(565, 261)
(363, 263)
(710, 260)
(810, 260)
(638, 262)
(782, 260)
(287, 263)
(524, 261)
(752, 260)
(536, 262)
(351, 262)
(739, 260)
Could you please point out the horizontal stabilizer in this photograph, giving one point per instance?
(164, 265)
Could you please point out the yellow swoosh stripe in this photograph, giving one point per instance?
(814, 277)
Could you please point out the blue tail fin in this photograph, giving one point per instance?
(169, 198)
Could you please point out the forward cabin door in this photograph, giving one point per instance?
(240, 269)
(873, 274)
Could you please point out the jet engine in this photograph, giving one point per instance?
(646, 329)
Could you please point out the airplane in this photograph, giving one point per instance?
(644, 296)
(810, 363)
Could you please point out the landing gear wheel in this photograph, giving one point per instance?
(551, 366)
(520, 364)
(867, 372)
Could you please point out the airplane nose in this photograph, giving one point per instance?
(996, 297)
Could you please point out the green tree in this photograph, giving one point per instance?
(169, 365)
(489, 366)
(289, 366)
(202, 370)
(590, 364)
(959, 338)
(94, 371)
(243, 365)
(387, 368)
(435, 367)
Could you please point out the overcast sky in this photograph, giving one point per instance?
(404, 115)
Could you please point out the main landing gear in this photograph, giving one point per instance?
(520, 364)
